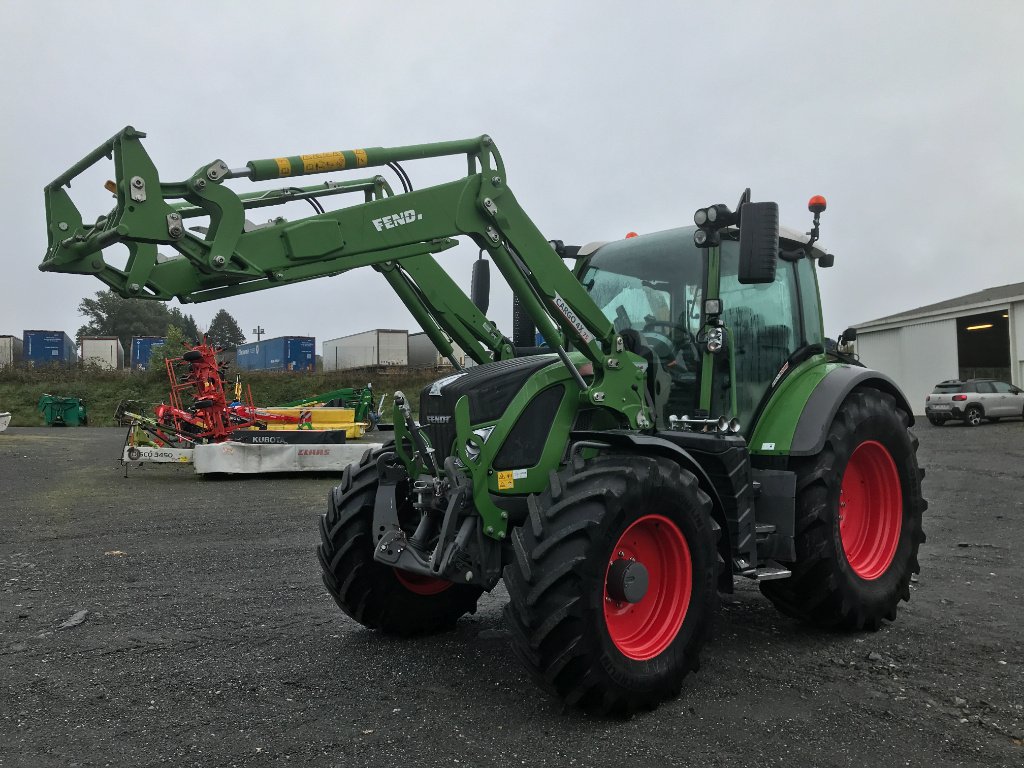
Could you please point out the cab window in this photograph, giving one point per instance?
(764, 321)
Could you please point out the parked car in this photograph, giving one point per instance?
(972, 400)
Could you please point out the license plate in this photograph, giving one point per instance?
(941, 407)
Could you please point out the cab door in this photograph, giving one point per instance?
(765, 325)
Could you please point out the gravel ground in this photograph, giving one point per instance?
(210, 641)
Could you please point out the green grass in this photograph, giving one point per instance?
(21, 388)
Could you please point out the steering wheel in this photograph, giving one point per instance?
(665, 349)
(660, 344)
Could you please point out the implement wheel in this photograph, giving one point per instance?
(376, 595)
(613, 585)
(858, 519)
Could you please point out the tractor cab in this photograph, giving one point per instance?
(653, 289)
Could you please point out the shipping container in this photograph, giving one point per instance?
(142, 350)
(41, 347)
(369, 348)
(284, 353)
(104, 351)
(423, 353)
(10, 350)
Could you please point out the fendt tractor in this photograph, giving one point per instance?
(683, 423)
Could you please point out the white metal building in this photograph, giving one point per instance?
(980, 335)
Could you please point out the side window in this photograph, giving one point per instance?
(813, 333)
(765, 325)
(1002, 386)
(984, 387)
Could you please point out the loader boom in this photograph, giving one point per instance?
(395, 234)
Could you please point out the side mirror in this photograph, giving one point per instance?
(759, 243)
(480, 286)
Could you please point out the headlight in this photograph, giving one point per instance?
(471, 450)
(715, 340)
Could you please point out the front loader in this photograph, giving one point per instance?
(684, 425)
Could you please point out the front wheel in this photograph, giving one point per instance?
(612, 590)
(376, 595)
(936, 421)
(858, 519)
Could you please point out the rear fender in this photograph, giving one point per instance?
(796, 420)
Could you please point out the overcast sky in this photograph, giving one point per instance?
(611, 117)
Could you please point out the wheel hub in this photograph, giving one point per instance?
(627, 581)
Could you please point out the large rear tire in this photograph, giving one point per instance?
(858, 519)
(612, 590)
(376, 595)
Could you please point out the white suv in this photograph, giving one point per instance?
(972, 400)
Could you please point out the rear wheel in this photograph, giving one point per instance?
(973, 416)
(858, 519)
(376, 595)
(612, 590)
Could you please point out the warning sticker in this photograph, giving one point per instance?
(505, 480)
(360, 157)
(518, 474)
(321, 162)
(284, 166)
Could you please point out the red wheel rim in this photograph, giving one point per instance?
(421, 585)
(644, 629)
(870, 510)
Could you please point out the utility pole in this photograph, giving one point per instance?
(258, 331)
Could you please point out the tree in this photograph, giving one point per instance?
(110, 315)
(186, 324)
(173, 347)
(224, 331)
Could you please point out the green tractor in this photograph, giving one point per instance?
(684, 423)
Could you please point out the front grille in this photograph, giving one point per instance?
(490, 388)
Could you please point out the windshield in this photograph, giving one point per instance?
(650, 288)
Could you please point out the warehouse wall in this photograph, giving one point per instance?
(916, 356)
(1017, 342)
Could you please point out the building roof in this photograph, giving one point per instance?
(1002, 294)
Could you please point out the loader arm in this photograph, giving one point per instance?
(397, 234)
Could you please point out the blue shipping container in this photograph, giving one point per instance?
(142, 348)
(284, 353)
(40, 347)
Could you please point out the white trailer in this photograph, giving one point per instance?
(423, 353)
(367, 349)
(104, 351)
(10, 350)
